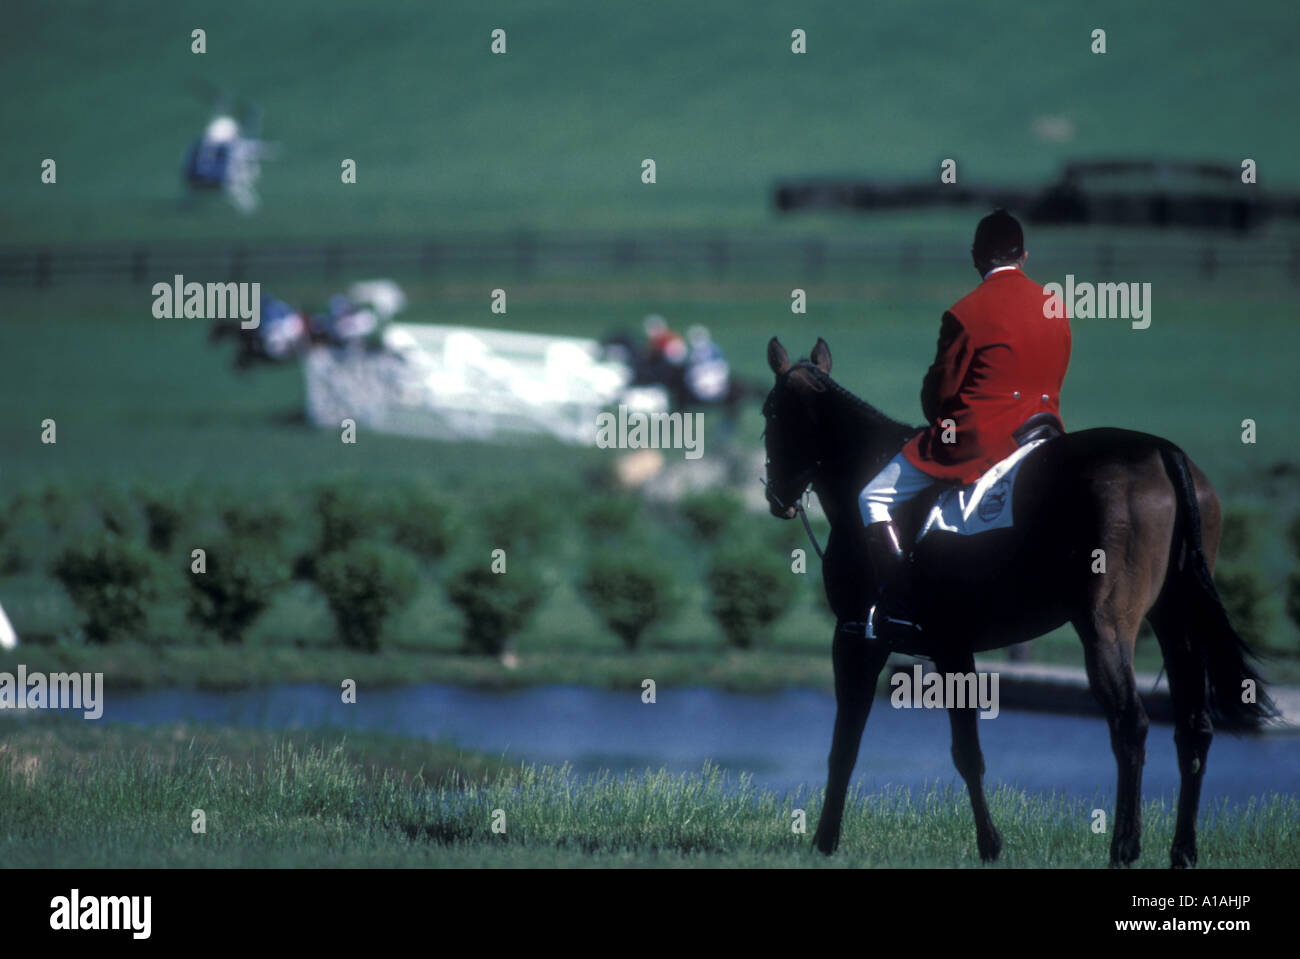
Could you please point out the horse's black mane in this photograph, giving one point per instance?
(877, 420)
(867, 436)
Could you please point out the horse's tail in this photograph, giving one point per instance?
(1227, 661)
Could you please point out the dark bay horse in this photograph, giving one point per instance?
(1136, 498)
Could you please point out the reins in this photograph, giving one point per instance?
(805, 485)
(880, 419)
(798, 506)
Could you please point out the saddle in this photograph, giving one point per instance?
(986, 504)
(1040, 426)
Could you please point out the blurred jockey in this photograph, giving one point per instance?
(283, 330)
(708, 377)
(346, 322)
(225, 158)
(664, 360)
(663, 343)
(208, 159)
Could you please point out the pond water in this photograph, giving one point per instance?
(780, 739)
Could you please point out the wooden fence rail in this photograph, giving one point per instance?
(528, 255)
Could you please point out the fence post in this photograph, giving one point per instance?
(525, 254)
(815, 256)
(1105, 259)
(624, 252)
(139, 265)
(719, 255)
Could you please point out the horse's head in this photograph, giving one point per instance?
(790, 437)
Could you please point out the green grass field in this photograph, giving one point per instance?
(126, 798)
(448, 137)
(139, 401)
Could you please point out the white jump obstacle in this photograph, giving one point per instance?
(458, 382)
(8, 638)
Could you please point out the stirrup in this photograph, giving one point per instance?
(881, 625)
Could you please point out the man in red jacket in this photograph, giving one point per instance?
(1001, 360)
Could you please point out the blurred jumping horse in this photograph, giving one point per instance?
(1134, 496)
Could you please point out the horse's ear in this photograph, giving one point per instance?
(821, 356)
(777, 358)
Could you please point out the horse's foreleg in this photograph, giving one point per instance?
(1108, 654)
(858, 663)
(969, 759)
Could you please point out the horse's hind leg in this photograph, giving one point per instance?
(1193, 729)
(1108, 648)
(969, 760)
(858, 663)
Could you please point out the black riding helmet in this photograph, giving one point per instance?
(999, 240)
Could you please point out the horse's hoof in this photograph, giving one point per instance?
(825, 846)
(990, 848)
(1124, 854)
(1182, 857)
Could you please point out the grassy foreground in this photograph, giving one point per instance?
(78, 796)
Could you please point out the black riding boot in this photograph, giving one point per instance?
(891, 617)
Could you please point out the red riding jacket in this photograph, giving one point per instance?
(1000, 360)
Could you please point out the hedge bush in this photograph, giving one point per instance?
(1243, 593)
(112, 581)
(495, 606)
(240, 579)
(346, 513)
(364, 585)
(1293, 598)
(119, 513)
(524, 521)
(165, 515)
(1293, 537)
(1236, 536)
(710, 515)
(629, 592)
(750, 588)
(609, 515)
(263, 522)
(24, 533)
(420, 522)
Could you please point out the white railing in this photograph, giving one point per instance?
(456, 382)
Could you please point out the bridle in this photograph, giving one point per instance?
(804, 483)
(798, 508)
